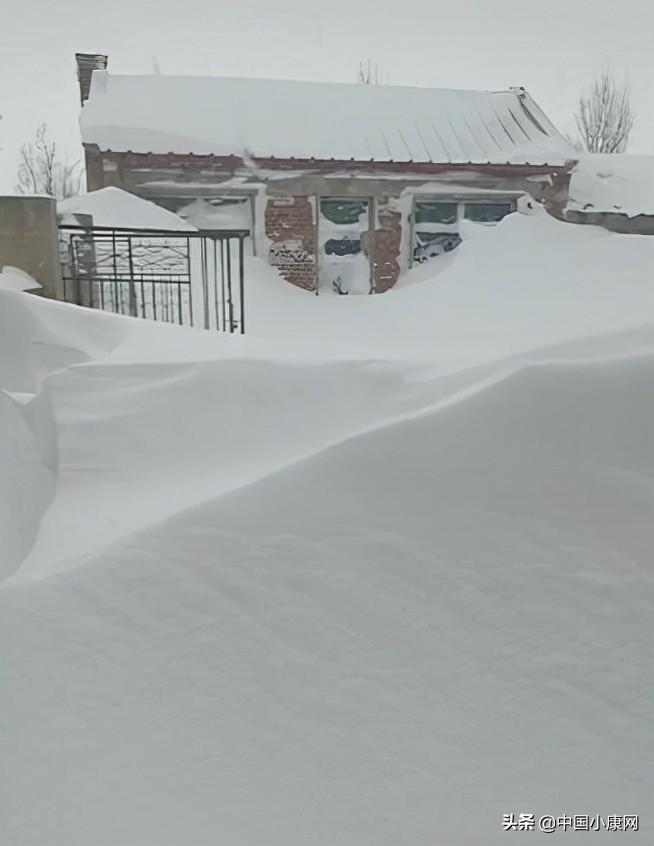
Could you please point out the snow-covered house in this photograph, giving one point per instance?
(339, 184)
(615, 191)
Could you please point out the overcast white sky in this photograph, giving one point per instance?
(552, 47)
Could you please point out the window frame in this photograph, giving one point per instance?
(319, 234)
(510, 198)
(512, 204)
(364, 201)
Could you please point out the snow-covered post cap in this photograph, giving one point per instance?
(15, 279)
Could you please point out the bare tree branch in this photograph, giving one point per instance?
(604, 117)
(368, 74)
(40, 172)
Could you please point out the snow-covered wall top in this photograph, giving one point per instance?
(613, 183)
(114, 207)
(267, 117)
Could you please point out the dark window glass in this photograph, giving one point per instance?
(342, 246)
(487, 212)
(430, 244)
(343, 211)
(436, 212)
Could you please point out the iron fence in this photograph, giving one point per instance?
(190, 278)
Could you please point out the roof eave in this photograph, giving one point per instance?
(317, 163)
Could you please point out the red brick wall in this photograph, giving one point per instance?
(386, 254)
(290, 227)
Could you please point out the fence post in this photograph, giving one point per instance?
(241, 282)
(132, 286)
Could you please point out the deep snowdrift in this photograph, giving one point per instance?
(27, 481)
(377, 586)
(529, 282)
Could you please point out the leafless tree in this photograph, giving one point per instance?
(368, 74)
(41, 172)
(604, 116)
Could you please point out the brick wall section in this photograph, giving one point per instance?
(291, 230)
(387, 244)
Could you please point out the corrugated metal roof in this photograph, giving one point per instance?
(287, 119)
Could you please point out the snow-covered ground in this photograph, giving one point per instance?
(377, 572)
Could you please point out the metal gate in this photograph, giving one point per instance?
(190, 278)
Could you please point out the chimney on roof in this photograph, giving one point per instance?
(86, 64)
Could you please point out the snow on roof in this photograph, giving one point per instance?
(285, 119)
(613, 183)
(114, 207)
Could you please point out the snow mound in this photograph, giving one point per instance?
(529, 282)
(15, 279)
(377, 572)
(114, 207)
(152, 419)
(417, 628)
(28, 452)
(39, 336)
(622, 184)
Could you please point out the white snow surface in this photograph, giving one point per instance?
(622, 184)
(285, 118)
(376, 573)
(203, 214)
(15, 279)
(114, 207)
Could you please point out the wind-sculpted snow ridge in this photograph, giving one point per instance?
(138, 443)
(377, 573)
(27, 479)
(394, 640)
(36, 338)
(39, 336)
(148, 419)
